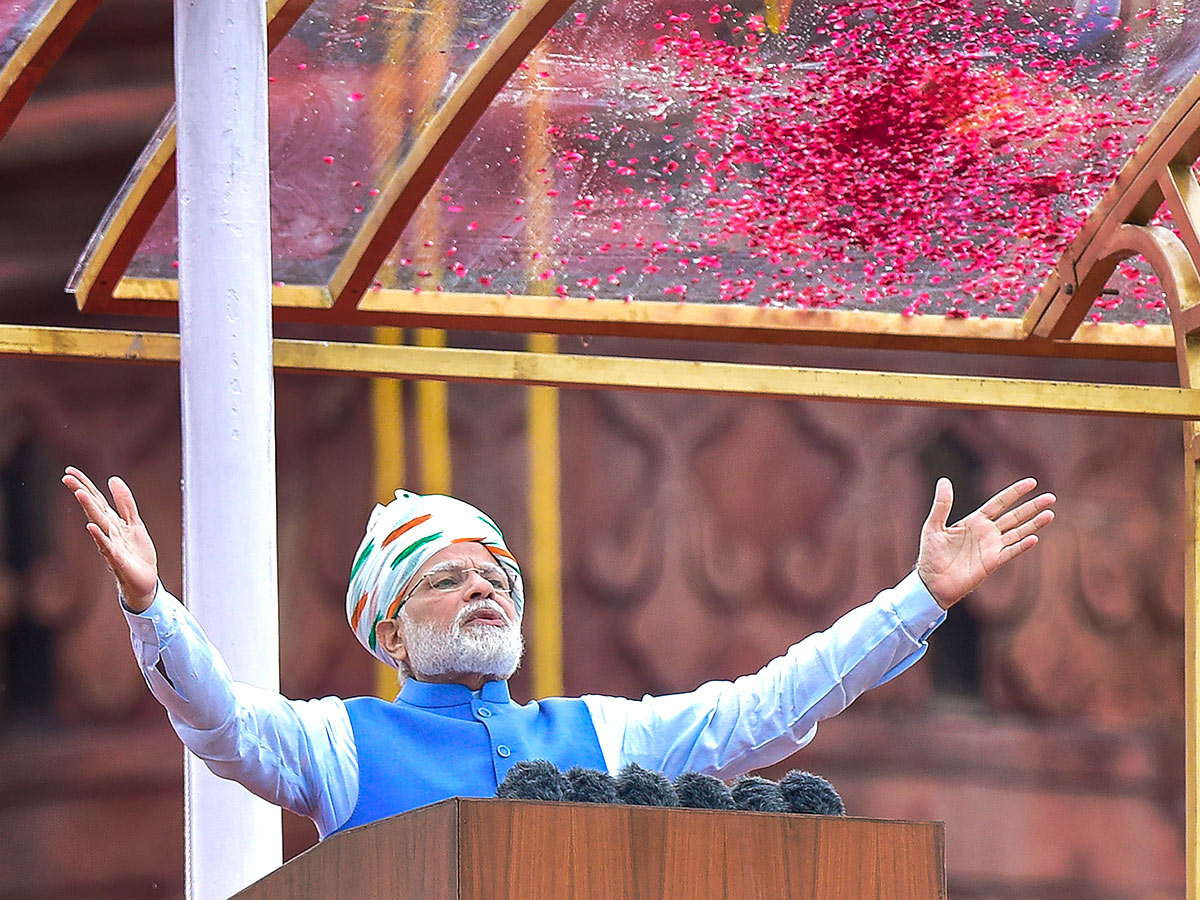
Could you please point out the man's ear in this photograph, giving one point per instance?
(390, 637)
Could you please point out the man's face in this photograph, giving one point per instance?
(458, 624)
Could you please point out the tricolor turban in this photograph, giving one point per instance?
(400, 539)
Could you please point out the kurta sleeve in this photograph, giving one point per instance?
(728, 728)
(297, 754)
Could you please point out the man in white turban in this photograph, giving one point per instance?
(435, 592)
(442, 540)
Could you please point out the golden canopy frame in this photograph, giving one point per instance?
(1119, 227)
(347, 298)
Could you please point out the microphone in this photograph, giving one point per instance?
(535, 779)
(811, 794)
(698, 791)
(754, 794)
(590, 786)
(640, 787)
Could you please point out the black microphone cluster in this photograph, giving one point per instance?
(796, 792)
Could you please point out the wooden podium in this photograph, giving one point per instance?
(523, 850)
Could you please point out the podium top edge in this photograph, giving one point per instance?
(466, 804)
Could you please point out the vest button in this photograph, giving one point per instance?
(503, 751)
(483, 712)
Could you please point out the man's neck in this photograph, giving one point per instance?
(472, 682)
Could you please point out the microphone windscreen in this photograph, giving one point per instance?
(534, 779)
(755, 794)
(590, 786)
(811, 794)
(696, 790)
(641, 787)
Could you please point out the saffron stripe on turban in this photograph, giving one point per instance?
(384, 563)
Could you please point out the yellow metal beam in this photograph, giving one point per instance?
(545, 527)
(387, 427)
(1192, 660)
(695, 321)
(387, 417)
(433, 420)
(564, 370)
(757, 324)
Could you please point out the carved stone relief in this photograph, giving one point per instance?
(704, 535)
(324, 498)
(67, 588)
(719, 531)
(1093, 621)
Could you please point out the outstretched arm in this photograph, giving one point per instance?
(728, 728)
(955, 559)
(298, 754)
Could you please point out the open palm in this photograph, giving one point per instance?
(120, 536)
(955, 559)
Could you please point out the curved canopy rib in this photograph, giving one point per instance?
(1176, 267)
(1118, 227)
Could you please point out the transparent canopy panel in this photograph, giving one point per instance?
(350, 87)
(929, 157)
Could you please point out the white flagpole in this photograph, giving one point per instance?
(229, 527)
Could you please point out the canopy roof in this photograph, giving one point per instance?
(904, 170)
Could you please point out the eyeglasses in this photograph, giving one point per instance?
(451, 578)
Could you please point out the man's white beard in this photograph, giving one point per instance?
(493, 651)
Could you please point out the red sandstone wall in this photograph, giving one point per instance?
(702, 536)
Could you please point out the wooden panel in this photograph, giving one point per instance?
(779, 862)
(559, 851)
(517, 850)
(412, 857)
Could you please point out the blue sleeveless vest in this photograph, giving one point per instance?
(441, 740)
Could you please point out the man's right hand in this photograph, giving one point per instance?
(120, 536)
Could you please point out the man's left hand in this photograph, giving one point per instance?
(955, 559)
